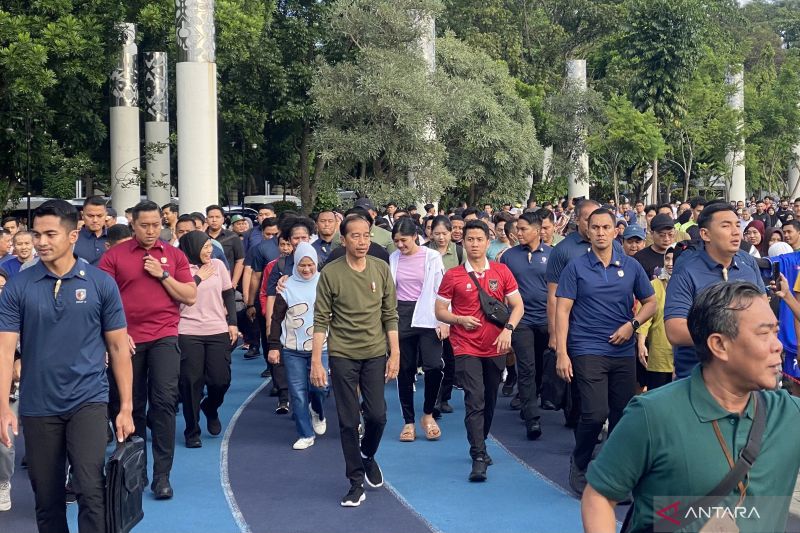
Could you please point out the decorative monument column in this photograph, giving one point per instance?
(735, 159)
(124, 124)
(156, 126)
(579, 179)
(196, 81)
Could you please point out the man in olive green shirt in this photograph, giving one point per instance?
(356, 308)
(665, 450)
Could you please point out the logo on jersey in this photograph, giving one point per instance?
(80, 295)
(493, 284)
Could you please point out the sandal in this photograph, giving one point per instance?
(409, 433)
(432, 431)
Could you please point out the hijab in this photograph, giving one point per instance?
(763, 246)
(191, 244)
(302, 251)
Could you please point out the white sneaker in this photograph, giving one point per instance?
(5, 496)
(320, 426)
(303, 442)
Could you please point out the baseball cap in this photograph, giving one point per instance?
(236, 218)
(633, 231)
(366, 203)
(662, 221)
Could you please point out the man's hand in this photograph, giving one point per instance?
(643, 353)
(233, 333)
(125, 426)
(392, 366)
(469, 323)
(251, 313)
(205, 271)
(153, 267)
(564, 367)
(622, 335)
(319, 376)
(274, 357)
(782, 289)
(503, 341)
(131, 345)
(7, 418)
(443, 331)
(281, 286)
(551, 342)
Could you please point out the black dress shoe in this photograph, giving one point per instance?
(577, 477)
(161, 488)
(516, 403)
(194, 442)
(478, 470)
(252, 353)
(508, 386)
(488, 459)
(547, 405)
(445, 407)
(266, 373)
(213, 425)
(534, 430)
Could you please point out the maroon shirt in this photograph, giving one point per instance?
(150, 311)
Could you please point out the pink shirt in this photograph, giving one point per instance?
(410, 275)
(207, 316)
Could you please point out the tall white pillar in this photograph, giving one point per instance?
(794, 174)
(579, 178)
(427, 46)
(124, 124)
(735, 158)
(196, 81)
(156, 126)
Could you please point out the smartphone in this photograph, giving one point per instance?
(776, 273)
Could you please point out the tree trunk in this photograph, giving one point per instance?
(615, 180)
(686, 179)
(471, 199)
(654, 184)
(306, 194)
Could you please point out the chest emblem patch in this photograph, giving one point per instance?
(493, 284)
(163, 260)
(620, 273)
(80, 295)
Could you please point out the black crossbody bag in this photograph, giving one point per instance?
(495, 310)
(747, 457)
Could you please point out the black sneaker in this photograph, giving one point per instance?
(282, 409)
(69, 492)
(516, 403)
(266, 373)
(488, 459)
(372, 473)
(534, 430)
(252, 353)
(445, 407)
(354, 497)
(508, 386)
(577, 477)
(213, 424)
(478, 470)
(194, 442)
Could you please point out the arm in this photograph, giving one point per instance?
(229, 299)
(597, 512)
(390, 324)
(678, 332)
(8, 343)
(551, 314)
(238, 269)
(563, 363)
(278, 315)
(184, 293)
(238, 261)
(268, 311)
(119, 354)
(443, 314)
(248, 273)
(322, 315)
(517, 308)
(625, 331)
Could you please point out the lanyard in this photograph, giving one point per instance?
(728, 456)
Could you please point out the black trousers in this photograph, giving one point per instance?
(448, 372)
(606, 385)
(205, 361)
(79, 436)
(279, 378)
(654, 380)
(425, 343)
(156, 373)
(480, 377)
(347, 377)
(529, 343)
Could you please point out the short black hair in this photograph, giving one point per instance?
(288, 226)
(117, 232)
(172, 206)
(96, 200)
(266, 206)
(215, 207)
(198, 217)
(128, 210)
(602, 211)
(186, 218)
(352, 217)
(428, 207)
(650, 207)
(269, 222)
(145, 206)
(61, 209)
(584, 204)
(324, 211)
(704, 219)
(714, 312)
(360, 211)
(545, 214)
(697, 200)
(469, 211)
(476, 224)
(453, 218)
(15, 220)
(532, 218)
(793, 223)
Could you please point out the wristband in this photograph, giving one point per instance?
(197, 280)
(251, 306)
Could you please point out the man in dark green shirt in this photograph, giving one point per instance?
(356, 308)
(665, 450)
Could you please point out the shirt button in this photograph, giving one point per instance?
(733, 421)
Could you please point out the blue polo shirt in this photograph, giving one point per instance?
(259, 257)
(529, 267)
(11, 265)
(693, 274)
(62, 343)
(570, 247)
(253, 237)
(89, 246)
(790, 267)
(323, 250)
(603, 299)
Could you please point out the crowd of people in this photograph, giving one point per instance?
(588, 307)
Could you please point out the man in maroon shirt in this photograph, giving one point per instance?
(480, 346)
(153, 279)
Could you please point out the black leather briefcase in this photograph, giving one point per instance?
(125, 475)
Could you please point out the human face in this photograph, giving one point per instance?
(94, 217)
(285, 247)
(669, 262)
(270, 232)
(52, 240)
(264, 213)
(639, 207)
(471, 216)
(527, 234)
(428, 224)
(170, 216)
(488, 209)
(326, 225)
(441, 236)
(306, 268)
(546, 231)
(182, 228)
(775, 237)
(784, 205)
(398, 215)
(760, 207)
(390, 209)
(240, 226)
(723, 233)
(2, 284)
(406, 244)
(214, 219)
(11, 226)
(663, 239)
(791, 236)
(23, 246)
(683, 207)
(458, 230)
(500, 231)
(601, 232)
(746, 215)
(475, 244)
(797, 209)
(696, 212)
(5, 244)
(147, 228)
(583, 219)
(752, 236)
(632, 245)
(356, 241)
(206, 252)
(299, 234)
(649, 216)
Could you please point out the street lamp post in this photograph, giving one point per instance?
(28, 167)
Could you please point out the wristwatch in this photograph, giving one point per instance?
(635, 323)
(164, 275)
(509, 327)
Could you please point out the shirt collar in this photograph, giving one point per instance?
(527, 248)
(705, 406)
(616, 259)
(77, 271)
(470, 269)
(712, 264)
(88, 233)
(136, 244)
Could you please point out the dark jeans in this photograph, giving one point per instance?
(156, 373)
(654, 380)
(426, 343)
(347, 377)
(529, 343)
(480, 377)
(205, 361)
(448, 372)
(606, 385)
(79, 436)
(279, 379)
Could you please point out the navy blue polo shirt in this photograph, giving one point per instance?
(693, 274)
(11, 265)
(529, 268)
(323, 250)
(603, 299)
(89, 246)
(259, 256)
(62, 344)
(277, 272)
(570, 247)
